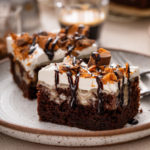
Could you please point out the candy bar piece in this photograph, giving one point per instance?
(99, 58)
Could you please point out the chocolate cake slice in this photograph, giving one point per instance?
(29, 53)
(92, 96)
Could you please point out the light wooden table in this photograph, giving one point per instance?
(125, 35)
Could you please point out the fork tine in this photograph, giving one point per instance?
(117, 59)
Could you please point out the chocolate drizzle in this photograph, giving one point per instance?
(99, 94)
(128, 75)
(32, 47)
(122, 93)
(74, 61)
(79, 37)
(121, 89)
(56, 77)
(50, 52)
(119, 94)
(73, 87)
(96, 57)
(52, 48)
(70, 48)
(47, 51)
(133, 121)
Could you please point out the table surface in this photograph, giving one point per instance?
(128, 35)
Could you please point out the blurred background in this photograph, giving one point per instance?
(120, 24)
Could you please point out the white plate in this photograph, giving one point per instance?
(18, 117)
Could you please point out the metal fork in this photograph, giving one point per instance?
(121, 60)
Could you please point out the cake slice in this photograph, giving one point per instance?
(94, 96)
(29, 53)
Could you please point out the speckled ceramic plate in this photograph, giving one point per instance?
(18, 116)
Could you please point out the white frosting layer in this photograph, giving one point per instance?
(47, 75)
(38, 57)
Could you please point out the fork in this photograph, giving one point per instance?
(121, 60)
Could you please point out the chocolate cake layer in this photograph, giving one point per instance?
(21, 78)
(87, 116)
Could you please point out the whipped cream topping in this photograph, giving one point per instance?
(47, 76)
(39, 57)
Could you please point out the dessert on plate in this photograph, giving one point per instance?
(29, 53)
(93, 95)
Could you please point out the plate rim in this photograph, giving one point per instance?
(79, 133)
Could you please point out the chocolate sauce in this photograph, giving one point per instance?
(32, 47)
(73, 87)
(122, 93)
(54, 43)
(96, 57)
(70, 48)
(133, 121)
(79, 37)
(119, 94)
(47, 51)
(99, 94)
(51, 54)
(56, 77)
(74, 61)
(128, 84)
